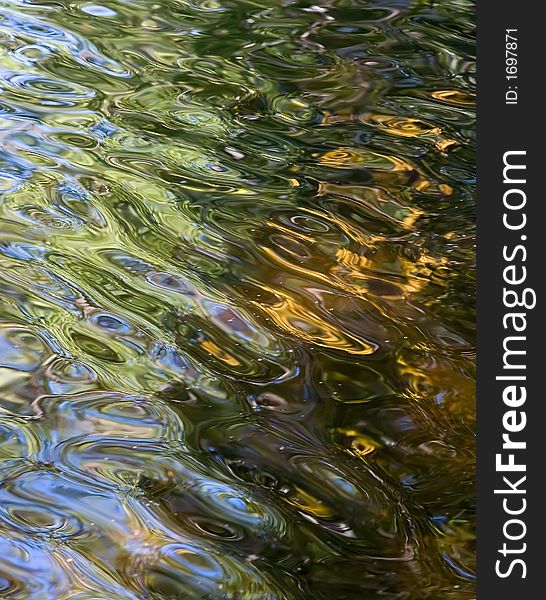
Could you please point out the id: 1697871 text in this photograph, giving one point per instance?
(511, 58)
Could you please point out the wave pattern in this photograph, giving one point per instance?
(236, 300)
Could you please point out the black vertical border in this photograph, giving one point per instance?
(505, 127)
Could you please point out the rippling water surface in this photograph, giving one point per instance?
(236, 299)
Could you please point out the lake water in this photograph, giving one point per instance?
(237, 300)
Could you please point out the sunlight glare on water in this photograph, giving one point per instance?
(236, 300)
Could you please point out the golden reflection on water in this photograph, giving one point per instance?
(236, 300)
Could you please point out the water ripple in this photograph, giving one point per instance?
(236, 327)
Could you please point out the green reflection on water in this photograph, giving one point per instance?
(236, 299)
